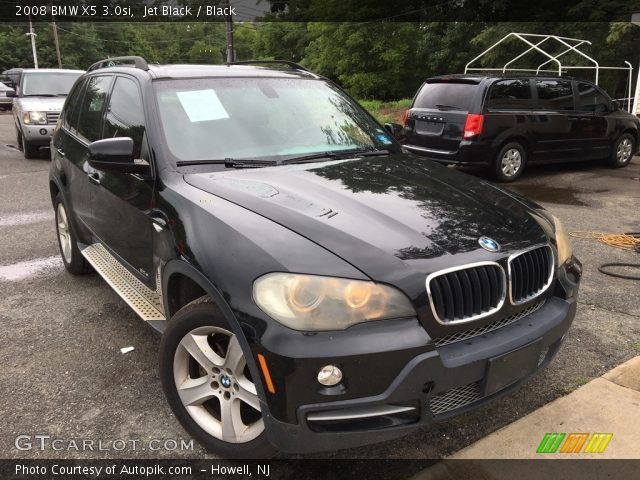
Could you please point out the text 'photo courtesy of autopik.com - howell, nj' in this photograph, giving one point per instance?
(319, 239)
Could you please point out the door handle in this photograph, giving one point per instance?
(94, 177)
(158, 220)
(60, 151)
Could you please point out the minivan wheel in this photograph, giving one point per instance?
(208, 385)
(73, 260)
(623, 151)
(509, 163)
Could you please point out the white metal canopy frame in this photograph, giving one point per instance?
(536, 42)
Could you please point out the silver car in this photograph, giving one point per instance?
(5, 101)
(36, 108)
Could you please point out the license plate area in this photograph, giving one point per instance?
(429, 128)
(508, 368)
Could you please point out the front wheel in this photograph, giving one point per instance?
(18, 139)
(208, 385)
(623, 151)
(509, 163)
(30, 151)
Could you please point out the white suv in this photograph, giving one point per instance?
(40, 96)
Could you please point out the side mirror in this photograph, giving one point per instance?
(115, 154)
(396, 130)
(615, 105)
(11, 93)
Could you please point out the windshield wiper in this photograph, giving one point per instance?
(335, 155)
(447, 107)
(40, 95)
(229, 163)
(247, 163)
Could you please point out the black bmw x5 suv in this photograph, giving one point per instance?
(316, 287)
(504, 123)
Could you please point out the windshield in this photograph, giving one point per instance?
(48, 83)
(446, 96)
(261, 119)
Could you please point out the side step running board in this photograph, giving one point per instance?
(144, 301)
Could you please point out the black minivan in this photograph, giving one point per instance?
(504, 123)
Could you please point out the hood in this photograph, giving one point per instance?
(380, 213)
(42, 104)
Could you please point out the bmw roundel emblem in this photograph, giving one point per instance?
(489, 244)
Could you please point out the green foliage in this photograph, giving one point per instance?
(281, 41)
(386, 112)
(369, 60)
(383, 60)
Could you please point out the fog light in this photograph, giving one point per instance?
(43, 131)
(329, 375)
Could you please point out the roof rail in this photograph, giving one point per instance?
(292, 65)
(134, 61)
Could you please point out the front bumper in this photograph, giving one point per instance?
(38, 134)
(438, 383)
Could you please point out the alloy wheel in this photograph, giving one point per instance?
(64, 233)
(623, 153)
(215, 385)
(511, 162)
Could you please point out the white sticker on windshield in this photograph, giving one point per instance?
(202, 105)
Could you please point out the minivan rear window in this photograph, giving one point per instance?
(446, 96)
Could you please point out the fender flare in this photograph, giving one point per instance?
(180, 266)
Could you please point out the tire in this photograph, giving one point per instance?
(18, 139)
(623, 151)
(225, 383)
(510, 162)
(73, 260)
(30, 151)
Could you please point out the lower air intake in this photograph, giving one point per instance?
(455, 398)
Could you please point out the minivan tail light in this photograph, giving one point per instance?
(473, 125)
(405, 117)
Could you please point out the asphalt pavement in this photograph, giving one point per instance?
(64, 375)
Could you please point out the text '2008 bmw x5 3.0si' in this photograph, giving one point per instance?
(316, 287)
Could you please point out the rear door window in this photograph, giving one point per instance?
(70, 115)
(446, 96)
(92, 108)
(512, 94)
(592, 99)
(554, 95)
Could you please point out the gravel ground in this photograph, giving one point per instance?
(63, 373)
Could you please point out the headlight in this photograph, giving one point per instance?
(311, 302)
(562, 241)
(37, 118)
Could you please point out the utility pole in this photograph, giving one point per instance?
(635, 19)
(33, 43)
(231, 57)
(55, 39)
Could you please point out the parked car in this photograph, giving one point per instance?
(5, 101)
(11, 77)
(315, 287)
(504, 123)
(36, 108)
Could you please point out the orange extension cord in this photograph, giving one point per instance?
(627, 241)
